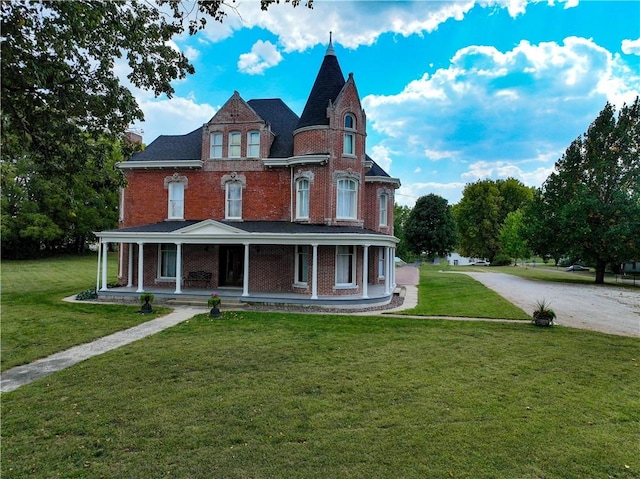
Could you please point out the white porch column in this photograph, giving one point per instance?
(387, 270)
(104, 267)
(99, 264)
(392, 262)
(365, 272)
(314, 273)
(130, 267)
(245, 279)
(178, 268)
(120, 260)
(140, 268)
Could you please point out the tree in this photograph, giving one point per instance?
(400, 216)
(430, 228)
(60, 96)
(596, 191)
(480, 213)
(512, 238)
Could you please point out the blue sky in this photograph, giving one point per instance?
(455, 91)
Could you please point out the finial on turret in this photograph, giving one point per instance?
(330, 50)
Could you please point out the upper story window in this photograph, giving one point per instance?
(302, 199)
(176, 201)
(253, 144)
(235, 141)
(233, 204)
(384, 202)
(347, 205)
(216, 145)
(349, 146)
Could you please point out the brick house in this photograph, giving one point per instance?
(261, 204)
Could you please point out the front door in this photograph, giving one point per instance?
(231, 265)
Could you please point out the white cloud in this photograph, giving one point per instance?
(263, 55)
(184, 113)
(527, 104)
(408, 193)
(353, 25)
(382, 156)
(631, 47)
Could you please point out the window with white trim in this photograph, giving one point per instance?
(349, 147)
(235, 143)
(302, 265)
(253, 144)
(381, 262)
(345, 265)
(383, 205)
(167, 261)
(176, 201)
(302, 198)
(233, 207)
(347, 205)
(215, 145)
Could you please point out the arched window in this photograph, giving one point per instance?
(235, 140)
(347, 204)
(253, 144)
(176, 201)
(233, 207)
(302, 199)
(349, 145)
(384, 202)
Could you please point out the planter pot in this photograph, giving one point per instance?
(542, 321)
(215, 312)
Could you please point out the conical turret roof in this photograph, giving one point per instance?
(326, 88)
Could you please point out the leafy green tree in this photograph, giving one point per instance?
(42, 214)
(512, 238)
(400, 215)
(430, 228)
(595, 191)
(63, 107)
(480, 213)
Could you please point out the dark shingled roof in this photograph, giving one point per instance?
(327, 86)
(375, 170)
(173, 147)
(283, 121)
(281, 227)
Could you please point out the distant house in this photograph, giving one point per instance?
(261, 204)
(455, 259)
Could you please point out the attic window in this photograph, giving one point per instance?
(235, 140)
(349, 147)
(253, 144)
(216, 145)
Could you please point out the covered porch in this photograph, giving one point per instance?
(248, 249)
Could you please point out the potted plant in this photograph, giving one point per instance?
(213, 302)
(543, 315)
(145, 301)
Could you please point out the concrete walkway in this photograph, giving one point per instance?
(21, 375)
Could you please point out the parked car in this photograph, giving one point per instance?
(480, 263)
(577, 267)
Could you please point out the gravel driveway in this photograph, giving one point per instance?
(598, 308)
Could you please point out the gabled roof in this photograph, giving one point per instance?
(282, 120)
(173, 147)
(326, 88)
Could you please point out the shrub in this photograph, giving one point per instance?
(501, 260)
(87, 295)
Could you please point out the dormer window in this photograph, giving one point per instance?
(253, 144)
(349, 147)
(235, 141)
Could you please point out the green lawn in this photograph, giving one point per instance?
(282, 395)
(444, 293)
(36, 323)
(287, 395)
